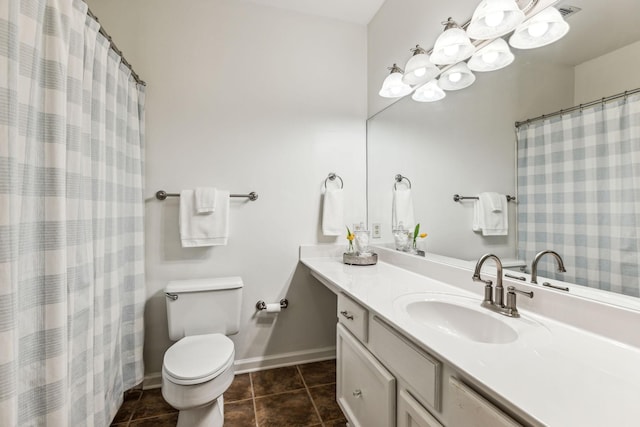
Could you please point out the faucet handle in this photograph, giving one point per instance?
(511, 300)
(512, 289)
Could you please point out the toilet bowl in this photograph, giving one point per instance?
(196, 371)
(198, 368)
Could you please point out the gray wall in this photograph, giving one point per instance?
(246, 98)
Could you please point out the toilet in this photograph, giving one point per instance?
(198, 368)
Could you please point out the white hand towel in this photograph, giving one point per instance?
(333, 212)
(204, 230)
(402, 210)
(205, 200)
(490, 214)
(494, 201)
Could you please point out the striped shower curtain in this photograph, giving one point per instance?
(71, 218)
(579, 194)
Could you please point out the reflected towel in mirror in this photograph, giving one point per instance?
(490, 214)
(402, 210)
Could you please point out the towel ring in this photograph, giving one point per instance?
(399, 178)
(332, 177)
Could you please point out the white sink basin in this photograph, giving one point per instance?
(463, 317)
(462, 321)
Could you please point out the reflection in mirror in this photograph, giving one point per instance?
(465, 143)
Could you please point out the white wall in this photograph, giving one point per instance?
(608, 74)
(246, 98)
(464, 144)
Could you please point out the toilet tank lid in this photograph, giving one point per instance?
(207, 284)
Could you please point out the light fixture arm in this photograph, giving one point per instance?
(395, 69)
(417, 50)
(450, 23)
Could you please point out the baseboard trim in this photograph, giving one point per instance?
(152, 380)
(253, 364)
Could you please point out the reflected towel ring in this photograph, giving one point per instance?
(399, 178)
(332, 177)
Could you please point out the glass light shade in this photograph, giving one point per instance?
(429, 92)
(542, 29)
(393, 87)
(452, 46)
(419, 70)
(457, 77)
(494, 18)
(492, 57)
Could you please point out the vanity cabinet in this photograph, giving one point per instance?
(365, 390)
(354, 317)
(412, 414)
(386, 380)
(470, 409)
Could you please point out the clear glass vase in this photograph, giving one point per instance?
(362, 242)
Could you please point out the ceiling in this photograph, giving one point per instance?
(356, 11)
(600, 27)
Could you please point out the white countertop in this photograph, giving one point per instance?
(565, 377)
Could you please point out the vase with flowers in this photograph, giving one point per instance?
(350, 237)
(416, 247)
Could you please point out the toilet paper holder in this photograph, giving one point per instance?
(261, 305)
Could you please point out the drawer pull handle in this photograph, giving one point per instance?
(357, 392)
(346, 314)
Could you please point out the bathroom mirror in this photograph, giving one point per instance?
(465, 144)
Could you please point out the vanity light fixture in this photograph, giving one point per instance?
(393, 87)
(494, 56)
(429, 92)
(457, 77)
(452, 46)
(542, 29)
(419, 68)
(494, 18)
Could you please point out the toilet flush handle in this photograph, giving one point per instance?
(171, 296)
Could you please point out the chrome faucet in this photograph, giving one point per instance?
(495, 300)
(534, 264)
(488, 300)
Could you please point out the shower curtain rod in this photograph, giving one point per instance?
(580, 107)
(115, 48)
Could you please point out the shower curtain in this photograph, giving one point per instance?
(71, 218)
(579, 194)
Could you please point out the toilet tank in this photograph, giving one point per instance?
(203, 306)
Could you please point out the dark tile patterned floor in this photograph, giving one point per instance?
(293, 396)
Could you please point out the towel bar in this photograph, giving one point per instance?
(457, 198)
(161, 195)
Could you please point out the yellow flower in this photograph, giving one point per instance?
(350, 237)
(423, 235)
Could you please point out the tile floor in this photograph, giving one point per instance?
(293, 396)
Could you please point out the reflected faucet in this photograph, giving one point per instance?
(534, 264)
(488, 300)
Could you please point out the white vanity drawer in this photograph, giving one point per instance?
(418, 369)
(412, 414)
(353, 316)
(365, 390)
(470, 409)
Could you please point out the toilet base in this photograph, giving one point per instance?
(204, 416)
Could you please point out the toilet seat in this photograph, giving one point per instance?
(198, 358)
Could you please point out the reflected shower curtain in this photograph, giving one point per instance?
(579, 194)
(71, 219)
